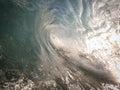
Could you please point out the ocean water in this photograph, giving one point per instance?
(62, 44)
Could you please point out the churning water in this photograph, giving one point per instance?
(77, 42)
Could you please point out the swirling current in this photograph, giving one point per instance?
(62, 44)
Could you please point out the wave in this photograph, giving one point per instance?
(76, 42)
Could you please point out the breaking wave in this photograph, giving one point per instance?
(77, 41)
